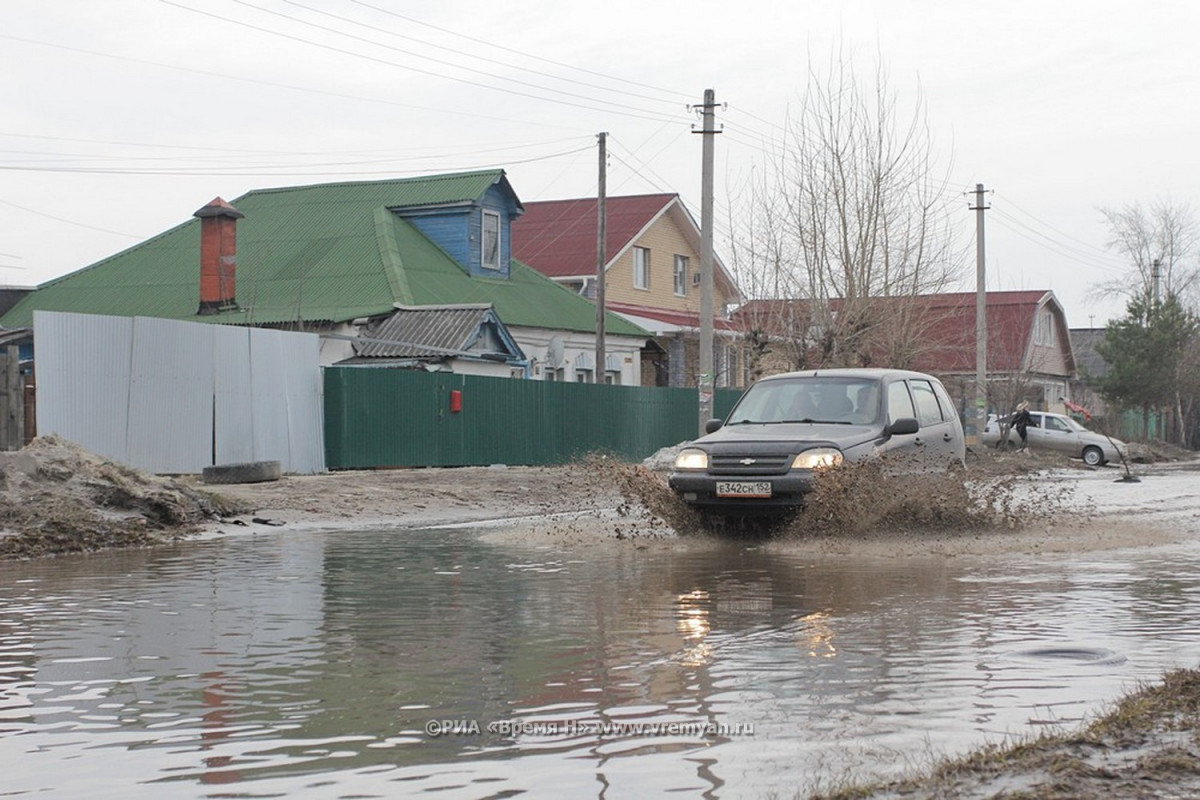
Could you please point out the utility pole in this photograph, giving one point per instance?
(601, 220)
(980, 318)
(704, 383)
(1155, 278)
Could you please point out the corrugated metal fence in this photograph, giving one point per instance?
(403, 418)
(175, 397)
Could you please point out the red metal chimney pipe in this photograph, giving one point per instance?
(218, 256)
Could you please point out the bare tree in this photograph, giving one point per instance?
(1165, 232)
(851, 209)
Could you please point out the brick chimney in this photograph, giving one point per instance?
(218, 256)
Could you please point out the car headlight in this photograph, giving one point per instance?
(691, 458)
(818, 457)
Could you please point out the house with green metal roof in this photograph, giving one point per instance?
(335, 258)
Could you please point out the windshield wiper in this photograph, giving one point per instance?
(812, 421)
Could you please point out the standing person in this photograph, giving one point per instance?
(1020, 421)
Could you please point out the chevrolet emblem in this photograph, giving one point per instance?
(747, 461)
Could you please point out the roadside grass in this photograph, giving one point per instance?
(1147, 744)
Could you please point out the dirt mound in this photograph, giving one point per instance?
(55, 497)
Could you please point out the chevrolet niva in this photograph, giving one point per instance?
(764, 456)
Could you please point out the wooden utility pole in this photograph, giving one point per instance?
(704, 383)
(980, 319)
(601, 259)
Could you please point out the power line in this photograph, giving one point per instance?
(68, 221)
(631, 111)
(1015, 226)
(473, 149)
(418, 40)
(521, 53)
(1039, 221)
(268, 171)
(277, 85)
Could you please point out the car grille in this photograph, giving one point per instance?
(758, 464)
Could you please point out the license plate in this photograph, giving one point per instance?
(743, 488)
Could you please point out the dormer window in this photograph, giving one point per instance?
(490, 254)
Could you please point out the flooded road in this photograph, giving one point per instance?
(384, 664)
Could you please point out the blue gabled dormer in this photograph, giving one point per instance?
(472, 226)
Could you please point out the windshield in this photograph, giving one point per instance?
(814, 399)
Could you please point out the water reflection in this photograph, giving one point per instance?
(376, 664)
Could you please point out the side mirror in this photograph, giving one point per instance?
(713, 425)
(902, 426)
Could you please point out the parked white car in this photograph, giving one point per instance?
(1060, 433)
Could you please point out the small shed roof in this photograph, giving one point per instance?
(437, 332)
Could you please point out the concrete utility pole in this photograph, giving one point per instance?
(704, 382)
(980, 321)
(601, 218)
(1155, 279)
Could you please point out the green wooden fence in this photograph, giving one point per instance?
(403, 418)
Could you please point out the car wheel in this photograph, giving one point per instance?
(1093, 456)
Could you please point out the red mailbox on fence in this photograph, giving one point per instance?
(455, 401)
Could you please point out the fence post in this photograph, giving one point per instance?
(12, 391)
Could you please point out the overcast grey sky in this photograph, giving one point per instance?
(122, 117)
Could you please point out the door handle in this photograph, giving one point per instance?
(946, 437)
(917, 441)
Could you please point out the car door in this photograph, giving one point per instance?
(1035, 434)
(1057, 435)
(938, 434)
(899, 406)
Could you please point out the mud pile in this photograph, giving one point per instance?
(56, 497)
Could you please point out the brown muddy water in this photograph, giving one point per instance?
(443, 663)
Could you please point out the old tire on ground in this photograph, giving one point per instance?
(246, 472)
(1093, 456)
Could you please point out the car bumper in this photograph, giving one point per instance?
(700, 490)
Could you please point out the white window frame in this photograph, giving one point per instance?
(1043, 331)
(641, 267)
(483, 241)
(681, 273)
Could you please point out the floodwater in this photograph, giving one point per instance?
(385, 664)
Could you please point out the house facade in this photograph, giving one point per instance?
(651, 277)
(339, 260)
(1029, 353)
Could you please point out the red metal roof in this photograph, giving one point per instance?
(682, 319)
(950, 330)
(558, 237)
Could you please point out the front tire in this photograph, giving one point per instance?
(1093, 456)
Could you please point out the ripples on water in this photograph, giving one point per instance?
(311, 665)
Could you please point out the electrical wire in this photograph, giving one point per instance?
(521, 53)
(278, 85)
(1004, 221)
(476, 56)
(617, 108)
(68, 221)
(277, 171)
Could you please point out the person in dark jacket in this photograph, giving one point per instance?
(1020, 421)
